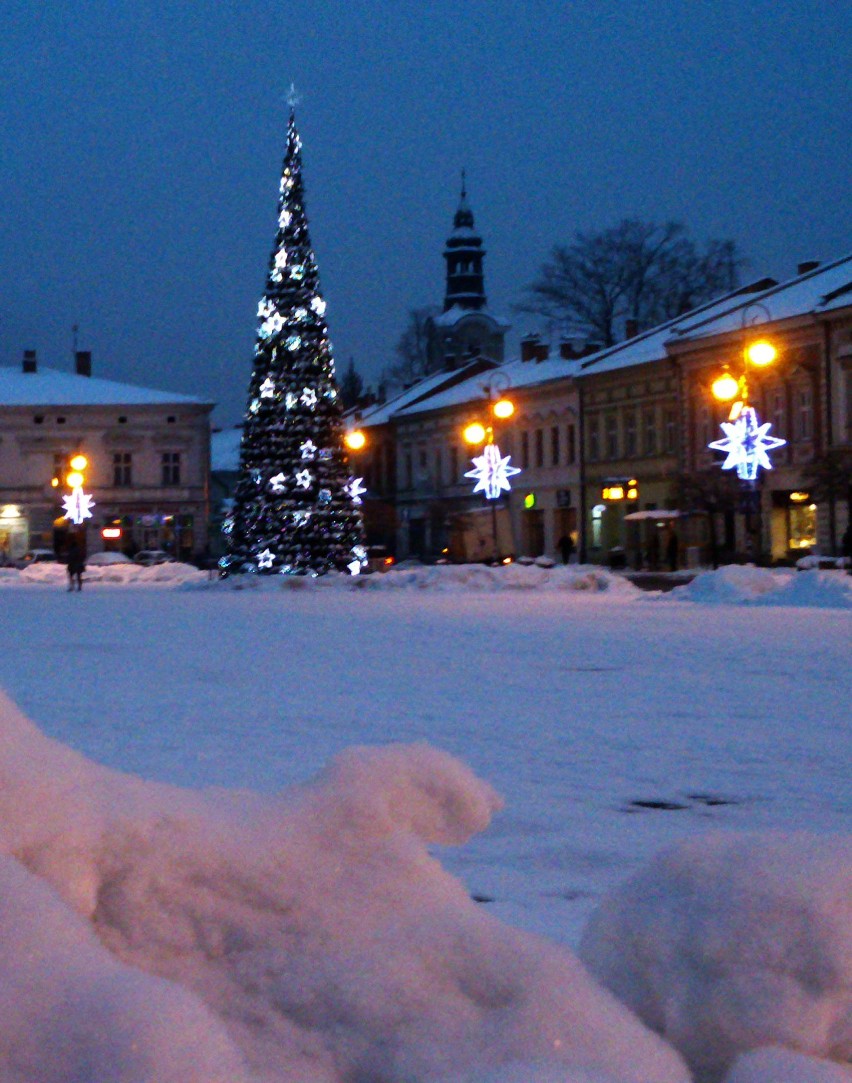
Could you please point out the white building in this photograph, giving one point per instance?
(148, 454)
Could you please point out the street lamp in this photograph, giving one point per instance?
(492, 470)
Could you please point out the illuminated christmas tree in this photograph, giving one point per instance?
(296, 506)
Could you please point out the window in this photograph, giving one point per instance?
(409, 470)
(630, 432)
(778, 412)
(554, 446)
(38, 419)
(651, 431)
(594, 439)
(670, 422)
(539, 447)
(454, 465)
(806, 413)
(438, 465)
(611, 423)
(525, 450)
(122, 468)
(171, 468)
(571, 456)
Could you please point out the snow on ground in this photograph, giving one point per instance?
(728, 943)
(612, 722)
(746, 584)
(310, 935)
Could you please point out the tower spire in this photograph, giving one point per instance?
(464, 255)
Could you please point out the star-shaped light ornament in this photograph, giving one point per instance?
(265, 559)
(356, 489)
(309, 396)
(278, 484)
(746, 444)
(492, 471)
(308, 450)
(78, 506)
(304, 479)
(267, 388)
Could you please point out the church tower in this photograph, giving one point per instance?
(465, 329)
(464, 255)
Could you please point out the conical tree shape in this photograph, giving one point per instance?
(296, 506)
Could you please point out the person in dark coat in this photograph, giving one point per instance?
(76, 564)
(566, 546)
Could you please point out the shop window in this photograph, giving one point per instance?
(597, 525)
(802, 531)
(170, 463)
(122, 469)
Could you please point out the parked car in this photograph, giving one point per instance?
(147, 557)
(106, 558)
(37, 556)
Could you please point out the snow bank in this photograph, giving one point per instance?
(728, 943)
(54, 575)
(309, 936)
(745, 584)
(451, 578)
(783, 1066)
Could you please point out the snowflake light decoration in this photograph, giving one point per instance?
(278, 484)
(309, 397)
(304, 479)
(356, 489)
(492, 471)
(265, 559)
(267, 388)
(308, 450)
(78, 506)
(746, 444)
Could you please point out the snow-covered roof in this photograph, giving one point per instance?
(455, 314)
(225, 449)
(513, 375)
(824, 288)
(52, 387)
(382, 412)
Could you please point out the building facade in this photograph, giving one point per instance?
(148, 458)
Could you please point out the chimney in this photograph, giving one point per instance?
(529, 347)
(30, 362)
(631, 327)
(83, 362)
(567, 351)
(807, 265)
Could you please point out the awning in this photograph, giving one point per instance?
(656, 513)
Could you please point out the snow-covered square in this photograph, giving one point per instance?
(375, 821)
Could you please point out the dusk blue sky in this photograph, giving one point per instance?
(141, 148)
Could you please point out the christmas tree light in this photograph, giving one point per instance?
(295, 511)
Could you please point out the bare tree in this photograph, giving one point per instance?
(412, 350)
(635, 270)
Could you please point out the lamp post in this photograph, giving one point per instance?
(492, 470)
(746, 441)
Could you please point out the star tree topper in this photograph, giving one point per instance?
(78, 506)
(492, 471)
(746, 444)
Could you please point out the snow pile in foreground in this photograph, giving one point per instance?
(747, 584)
(151, 933)
(450, 578)
(775, 1065)
(728, 943)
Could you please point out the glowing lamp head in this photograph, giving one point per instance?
(74, 480)
(474, 433)
(54, 482)
(355, 440)
(79, 462)
(503, 408)
(761, 353)
(725, 387)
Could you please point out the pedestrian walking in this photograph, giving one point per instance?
(566, 547)
(76, 564)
